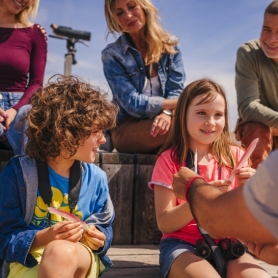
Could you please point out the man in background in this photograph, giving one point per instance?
(257, 88)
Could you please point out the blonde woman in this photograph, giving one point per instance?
(23, 49)
(145, 72)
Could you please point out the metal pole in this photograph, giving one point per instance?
(68, 63)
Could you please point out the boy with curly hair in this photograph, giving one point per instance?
(64, 132)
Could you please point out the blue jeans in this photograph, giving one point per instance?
(170, 249)
(7, 100)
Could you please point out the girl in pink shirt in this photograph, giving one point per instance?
(200, 125)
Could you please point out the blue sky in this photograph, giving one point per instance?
(210, 31)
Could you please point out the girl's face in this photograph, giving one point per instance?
(129, 15)
(14, 6)
(205, 122)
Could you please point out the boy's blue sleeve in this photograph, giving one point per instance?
(15, 238)
(106, 226)
(104, 214)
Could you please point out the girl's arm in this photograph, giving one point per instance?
(169, 216)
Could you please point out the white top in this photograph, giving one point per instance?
(152, 86)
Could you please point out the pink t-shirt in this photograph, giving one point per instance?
(163, 172)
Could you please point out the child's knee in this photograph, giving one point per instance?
(59, 250)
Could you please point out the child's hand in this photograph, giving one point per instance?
(66, 230)
(93, 238)
(180, 180)
(243, 174)
(222, 185)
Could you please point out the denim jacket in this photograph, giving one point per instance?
(18, 193)
(124, 70)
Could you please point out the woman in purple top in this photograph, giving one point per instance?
(23, 49)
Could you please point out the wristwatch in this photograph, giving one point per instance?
(167, 112)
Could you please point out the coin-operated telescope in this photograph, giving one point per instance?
(72, 37)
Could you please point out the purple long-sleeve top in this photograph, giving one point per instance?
(23, 54)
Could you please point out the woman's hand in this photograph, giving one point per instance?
(66, 230)
(11, 113)
(161, 124)
(243, 174)
(3, 117)
(93, 238)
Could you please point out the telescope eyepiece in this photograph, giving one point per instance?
(68, 32)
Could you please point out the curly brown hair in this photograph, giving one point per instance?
(63, 113)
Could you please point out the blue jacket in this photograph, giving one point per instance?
(124, 70)
(18, 193)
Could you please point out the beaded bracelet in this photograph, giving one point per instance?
(190, 183)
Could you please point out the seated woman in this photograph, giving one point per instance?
(23, 51)
(145, 72)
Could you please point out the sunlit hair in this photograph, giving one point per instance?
(157, 40)
(272, 8)
(62, 116)
(29, 12)
(178, 139)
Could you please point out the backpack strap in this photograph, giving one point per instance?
(44, 184)
(74, 183)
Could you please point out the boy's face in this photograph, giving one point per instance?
(88, 150)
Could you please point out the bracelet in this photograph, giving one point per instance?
(190, 183)
(167, 112)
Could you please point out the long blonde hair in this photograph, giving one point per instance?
(157, 40)
(178, 139)
(29, 12)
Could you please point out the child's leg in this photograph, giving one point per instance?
(189, 265)
(65, 259)
(245, 267)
